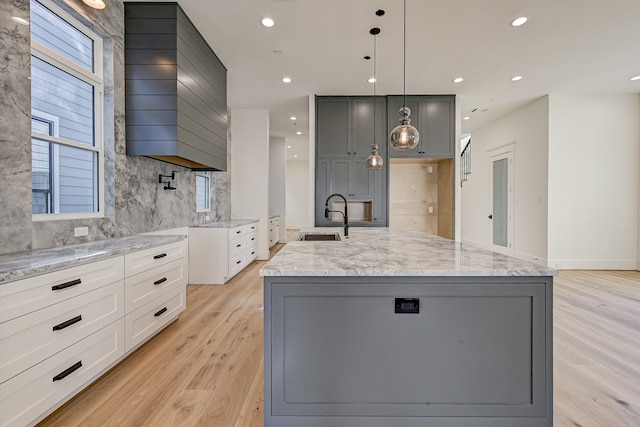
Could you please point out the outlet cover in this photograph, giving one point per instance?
(81, 231)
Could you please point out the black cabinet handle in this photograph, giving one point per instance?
(160, 311)
(67, 323)
(67, 371)
(157, 282)
(160, 256)
(253, 228)
(66, 285)
(253, 238)
(238, 262)
(253, 252)
(238, 245)
(238, 232)
(490, 216)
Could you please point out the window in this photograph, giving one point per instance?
(202, 193)
(66, 116)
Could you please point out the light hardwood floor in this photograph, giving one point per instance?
(206, 368)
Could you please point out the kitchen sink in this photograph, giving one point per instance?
(319, 237)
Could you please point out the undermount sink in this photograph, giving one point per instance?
(319, 237)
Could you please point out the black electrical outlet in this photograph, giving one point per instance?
(407, 305)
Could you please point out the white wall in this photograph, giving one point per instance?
(298, 176)
(250, 170)
(593, 181)
(278, 183)
(527, 127)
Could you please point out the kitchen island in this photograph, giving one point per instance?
(398, 327)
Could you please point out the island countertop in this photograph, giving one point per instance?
(394, 252)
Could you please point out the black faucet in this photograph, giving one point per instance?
(345, 215)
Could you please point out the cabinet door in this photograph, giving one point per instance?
(362, 123)
(380, 204)
(361, 178)
(332, 126)
(436, 127)
(322, 190)
(394, 104)
(340, 178)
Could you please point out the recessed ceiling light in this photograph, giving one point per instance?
(19, 20)
(288, 146)
(286, 79)
(96, 4)
(466, 118)
(372, 80)
(298, 133)
(295, 156)
(516, 78)
(458, 80)
(267, 22)
(519, 21)
(633, 79)
(292, 118)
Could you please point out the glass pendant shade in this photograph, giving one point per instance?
(374, 161)
(404, 136)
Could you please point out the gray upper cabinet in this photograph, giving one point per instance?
(434, 117)
(345, 130)
(176, 89)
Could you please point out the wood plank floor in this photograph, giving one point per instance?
(206, 368)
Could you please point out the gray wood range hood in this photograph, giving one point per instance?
(176, 89)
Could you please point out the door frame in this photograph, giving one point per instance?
(507, 151)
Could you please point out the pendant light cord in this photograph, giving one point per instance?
(375, 81)
(404, 56)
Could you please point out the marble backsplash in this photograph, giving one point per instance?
(134, 200)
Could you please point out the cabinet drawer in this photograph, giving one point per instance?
(151, 284)
(147, 259)
(236, 264)
(145, 321)
(31, 294)
(45, 386)
(27, 340)
(237, 246)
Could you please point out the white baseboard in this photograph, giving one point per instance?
(593, 264)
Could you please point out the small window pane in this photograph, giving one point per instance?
(53, 32)
(202, 193)
(70, 99)
(64, 178)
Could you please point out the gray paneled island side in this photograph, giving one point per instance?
(398, 327)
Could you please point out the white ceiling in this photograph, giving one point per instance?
(567, 46)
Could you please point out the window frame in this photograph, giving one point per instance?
(95, 79)
(207, 192)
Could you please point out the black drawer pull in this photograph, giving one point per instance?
(253, 228)
(239, 231)
(160, 312)
(253, 252)
(238, 245)
(157, 282)
(238, 262)
(66, 285)
(253, 238)
(67, 371)
(67, 323)
(159, 256)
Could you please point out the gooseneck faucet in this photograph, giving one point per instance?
(345, 214)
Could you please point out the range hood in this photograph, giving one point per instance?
(176, 89)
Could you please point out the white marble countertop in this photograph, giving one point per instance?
(232, 223)
(26, 264)
(393, 252)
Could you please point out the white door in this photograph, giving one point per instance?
(501, 215)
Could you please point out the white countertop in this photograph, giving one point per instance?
(26, 264)
(232, 223)
(393, 252)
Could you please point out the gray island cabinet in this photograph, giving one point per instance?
(402, 328)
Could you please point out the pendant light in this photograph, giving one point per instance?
(374, 161)
(404, 136)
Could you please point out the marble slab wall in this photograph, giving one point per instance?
(134, 200)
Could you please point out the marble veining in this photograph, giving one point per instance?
(26, 264)
(394, 252)
(232, 223)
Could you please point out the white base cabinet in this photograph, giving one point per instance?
(216, 254)
(274, 230)
(60, 331)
